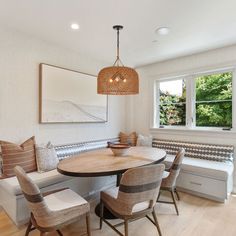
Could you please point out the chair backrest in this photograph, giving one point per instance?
(140, 185)
(170, 181)
(32, 195)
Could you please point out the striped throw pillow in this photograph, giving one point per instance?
(22, 155)
(0, 164)
(130, 139)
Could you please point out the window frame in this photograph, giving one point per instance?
(190, 80)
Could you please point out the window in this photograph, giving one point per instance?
(195, 101)
(172, 102)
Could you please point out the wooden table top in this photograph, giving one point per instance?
(102, 162)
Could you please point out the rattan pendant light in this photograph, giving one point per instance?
(118, 79)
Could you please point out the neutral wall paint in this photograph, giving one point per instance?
(141, 106)
(19, 92)
(20, 56)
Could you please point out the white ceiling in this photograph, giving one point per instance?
(196, 25)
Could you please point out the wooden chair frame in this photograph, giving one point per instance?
(32, 225)
(169, 183)
(173, 192)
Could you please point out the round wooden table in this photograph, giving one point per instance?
(102, 162)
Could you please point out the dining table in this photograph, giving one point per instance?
(102, 162)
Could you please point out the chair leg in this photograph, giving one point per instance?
(28, 228)
(177, 194)
(156, 222)
(174, 201)
(88, 224)
(126, 227)
(59, 232)
(101, 213)
(159, 194)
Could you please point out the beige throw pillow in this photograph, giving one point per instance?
(130, 139)
(46, 158)
(144, 140)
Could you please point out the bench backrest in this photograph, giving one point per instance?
(213, 152)
(67, 150)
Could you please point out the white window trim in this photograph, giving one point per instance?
(190, 98)
(234, 101)
(190, 102)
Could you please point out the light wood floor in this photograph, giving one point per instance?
(198, 217)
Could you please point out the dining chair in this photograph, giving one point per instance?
(169, 179)
(134, 198)
(55, 209)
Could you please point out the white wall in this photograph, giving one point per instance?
(140, 106)
(20, 56)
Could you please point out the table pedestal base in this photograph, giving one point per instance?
(106, 213)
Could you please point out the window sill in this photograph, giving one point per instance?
(195, 131)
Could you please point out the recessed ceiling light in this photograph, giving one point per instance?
(162, 31)
(74, 26)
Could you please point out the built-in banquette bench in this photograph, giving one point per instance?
(207, 169)
(12, 199)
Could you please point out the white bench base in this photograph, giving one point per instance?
(209, 179)
(206, 187)
(16, 206)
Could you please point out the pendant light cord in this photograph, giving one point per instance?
(118, 45)
(118, 50)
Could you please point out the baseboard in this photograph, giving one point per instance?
(220, 200)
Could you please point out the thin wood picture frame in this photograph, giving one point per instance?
(69, 96)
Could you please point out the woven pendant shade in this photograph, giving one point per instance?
(118, 79)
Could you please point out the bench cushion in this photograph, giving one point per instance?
(212, 169)
(43, 180)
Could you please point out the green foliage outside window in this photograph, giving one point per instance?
(173, 108)
(214, 100)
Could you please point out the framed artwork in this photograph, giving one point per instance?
(68, 96)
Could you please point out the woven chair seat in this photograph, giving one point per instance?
(64, 200)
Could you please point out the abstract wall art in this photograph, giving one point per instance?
(68, 96)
